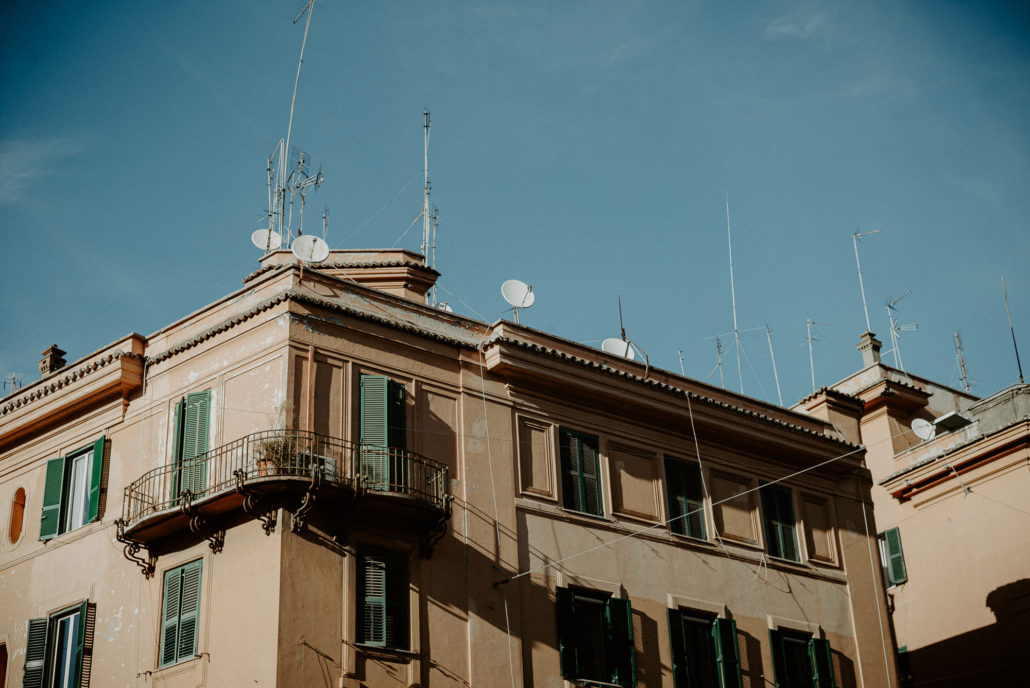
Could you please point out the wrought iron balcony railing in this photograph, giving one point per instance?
(278, 455)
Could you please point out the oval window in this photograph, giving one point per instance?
(17, 515)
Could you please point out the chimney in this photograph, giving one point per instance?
(53, 359)
(869, 345)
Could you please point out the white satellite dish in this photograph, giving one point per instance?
(310, 248)
(518, 294)
(614, 345)
(267, 239)
(923, 429)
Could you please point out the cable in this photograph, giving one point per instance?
(879, 615)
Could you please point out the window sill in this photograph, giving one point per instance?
(385, 652)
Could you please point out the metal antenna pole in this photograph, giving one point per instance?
(961, 361)
(426, 220)
(309, 8)
(811, 357)
(1005, 295)
(855, 237)
(622, 330)
(436, 224)
(682, 372)
(768, 334)
(733, 295)
(896, 330)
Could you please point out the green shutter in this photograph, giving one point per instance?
(80, 644)
(35, 653)
(571, 459)
(180, 408)
(622, 652)
(678, 644)
(189, 610)
(727, 657)
(567, 653)
(195, 431)
(372, 593)
(686, 505)
(591, 476)
(95, 476)
(373, 434)
(581, 484)
(822, 663)
(53, 489)
(170, 616)
(779, 658)
(895, 557)
(778, 513)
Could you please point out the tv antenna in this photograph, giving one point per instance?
(811, 358)
(519, 295)
(768, 334)
(682, 372)
(12, 382)
(1005, 295)
(733, 296)
(625, 348)
(718, 363)
(855, 237)
(961, 361)
(897, 329)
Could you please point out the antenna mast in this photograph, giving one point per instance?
(897, 329)
(682, 372)
(718, 364)
(811, 357)
(1005, 295)
(768, 334)
(855, 237)
(733, 297)
(961, 360)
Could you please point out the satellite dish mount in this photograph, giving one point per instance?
(518, 294)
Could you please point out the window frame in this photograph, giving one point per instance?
(59, 493)
(41, 644)
(619, 651)
(393, 602)
(725, 654)
(174, 622)
(817, 652)
(191, 440)
(892, 557)
(576, 480)
(778, 520)
(686, 518)
(382, 431)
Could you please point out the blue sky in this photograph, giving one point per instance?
(584, 147)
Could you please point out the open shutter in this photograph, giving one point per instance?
(678, 643)
(53, 488)
(35, 653)
(779, 658)
(373, 596)
(787, 532)
(80, 644)
(196, 428)
(373, 433)
(778, 513)
(895, 557)
(685, 500)
(180, 409)
(727, 658)
(620, 626)
(396, 429)
(170, 616)
(571, 458)
(591, 477)
(189, 611)
(822, 663)
(567, 633)
(94, 482)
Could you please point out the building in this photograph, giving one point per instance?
(320, 480)
(953, 485)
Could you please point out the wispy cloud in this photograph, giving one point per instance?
(26, 162)
(801, 24)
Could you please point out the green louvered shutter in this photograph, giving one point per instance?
(571, 460)
(591, 476)
(788, 534)
(195, 431)
(567, 653)
(727, 657)
(895, 557)
(180, 407)
(170, 616)
(686, 512)
(779, 658)
(375, 437)
(372, 593)
(35, 653)
(678, 643)
(822, 663)
(623, 654)
(778, 513)
(95, 477)
(189, 611)
(80, 643)
(53, 488)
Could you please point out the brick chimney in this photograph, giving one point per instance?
(869, 345)
(53, 359)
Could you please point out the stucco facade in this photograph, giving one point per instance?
(951, 505)
(319, 480)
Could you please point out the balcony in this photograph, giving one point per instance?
(255, 475)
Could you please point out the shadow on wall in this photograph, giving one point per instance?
(994, 655)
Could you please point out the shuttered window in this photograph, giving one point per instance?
(892, 557)
(383, 433)
(801, 661)
(778, 513)
(180, 613)
(581, 475)
(704, 651)
(686, 504)
(55, 649)
(383, 599)
(192, 428)
(595, 637)
(71, 490)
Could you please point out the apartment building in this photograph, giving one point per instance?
(953, 483)
(321, 480)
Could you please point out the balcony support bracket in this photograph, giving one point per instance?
(438, 529)
(198, 524)
(252, 504)
(307, 503)
(132, 549)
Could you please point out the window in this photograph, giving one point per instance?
(71, 492)
(180, 613)
(892, 558)
(58, 648)
(383, 599)
(581, 475)
(192, 423)
(686, 504)
(595, 637)
(778, 512)
(382, 429)
(704, 650)
(801, 661)
(17, 517)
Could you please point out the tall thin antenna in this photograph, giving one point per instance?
(811, 357)
(897, 329)
(436, 224)
(733, 296)
(1005, 295)
(768, 334)
(309, 8)
(426, 219)
(718, 364)
(961, 361)
(682, 372)
(855, 237)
